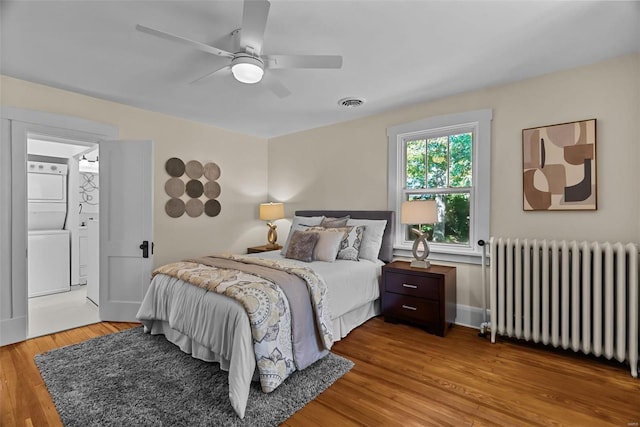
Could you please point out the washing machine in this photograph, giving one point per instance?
(49, 244)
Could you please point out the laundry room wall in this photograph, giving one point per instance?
(88, 186)
(242, 160)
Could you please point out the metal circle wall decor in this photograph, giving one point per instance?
(174, 167)
(174, 207)
(212, 207)
(194, 208)
(174, 187)
(194, 169)
(192, 188)
(211, 171)
(211, 189)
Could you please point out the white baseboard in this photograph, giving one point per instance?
(13, 330)
(470, 316)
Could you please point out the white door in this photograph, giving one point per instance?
(126, 223)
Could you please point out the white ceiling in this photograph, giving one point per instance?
(395, 53)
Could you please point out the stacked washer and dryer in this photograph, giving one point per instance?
(49, 243)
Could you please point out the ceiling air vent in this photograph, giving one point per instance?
(351, 102)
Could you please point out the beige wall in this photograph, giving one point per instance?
(242, 160)
(345, 165)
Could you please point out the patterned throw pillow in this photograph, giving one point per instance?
(350, 248)
(301, 246)
(350, 245)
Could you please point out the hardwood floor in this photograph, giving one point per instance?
(402, 377)
(24, 399)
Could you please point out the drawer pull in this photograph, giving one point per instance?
(406, 285)
(408, 307)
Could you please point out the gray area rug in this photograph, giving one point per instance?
(131, 378)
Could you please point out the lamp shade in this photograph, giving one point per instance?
(419, 212)
(271, 211)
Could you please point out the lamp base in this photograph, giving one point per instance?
(418, 263)
(272, 246)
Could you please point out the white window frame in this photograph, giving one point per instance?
(479, 122)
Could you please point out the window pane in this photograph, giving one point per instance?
(453, 214)
(416, 169)
(437, 149)
(460, 160)
(454, 224)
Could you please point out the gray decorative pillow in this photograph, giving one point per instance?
(328, 245)
(334, 222)
(297, 220)
(301, 246)
(350, 245)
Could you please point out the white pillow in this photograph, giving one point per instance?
(328, 245)
(298, 220)
(372, 240)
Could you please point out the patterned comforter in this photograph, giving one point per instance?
(280, 329)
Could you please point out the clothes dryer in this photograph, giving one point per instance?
(49, 259)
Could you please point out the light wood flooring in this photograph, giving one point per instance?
(402, 377)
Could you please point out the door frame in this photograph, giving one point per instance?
(17, 125)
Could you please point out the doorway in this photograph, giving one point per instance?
(126, 214)
(16, 127)
(62, 223)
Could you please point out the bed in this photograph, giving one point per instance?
(250, 343)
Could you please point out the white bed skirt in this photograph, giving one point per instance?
(354, 318)
(341, 327)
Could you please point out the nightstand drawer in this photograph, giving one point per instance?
(411, 308)
(409, 284)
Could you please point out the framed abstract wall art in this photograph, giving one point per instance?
(559, 167)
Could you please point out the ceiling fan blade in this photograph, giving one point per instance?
(254, 22)
(274, 85)
(206, 76)
(302, 61)
(200, 46)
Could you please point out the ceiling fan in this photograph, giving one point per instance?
(248, 64)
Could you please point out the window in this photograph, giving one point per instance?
(446, 159)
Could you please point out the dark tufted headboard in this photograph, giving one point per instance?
(386, 250)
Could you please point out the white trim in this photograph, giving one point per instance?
(480, 121)
(17, 124)
(468, 257)
(65, 123)
(13, 330)
(6, 297)
(469, 316)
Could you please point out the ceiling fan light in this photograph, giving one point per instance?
(247, 69)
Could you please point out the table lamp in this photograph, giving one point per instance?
(419, 212)
(270, 212)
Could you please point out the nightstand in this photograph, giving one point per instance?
(263, 248)
(425, 297)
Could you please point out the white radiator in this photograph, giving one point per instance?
(574, 295)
